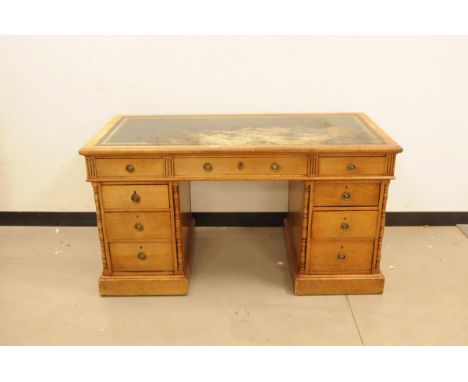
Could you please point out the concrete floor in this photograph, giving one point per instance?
(240, 294)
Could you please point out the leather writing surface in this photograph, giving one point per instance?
(281, 130)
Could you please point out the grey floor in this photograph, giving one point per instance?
(240, 294)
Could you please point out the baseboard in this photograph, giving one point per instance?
(239, 219)
(426, 218)
(275, 219)
(54, 219)
(224, 219)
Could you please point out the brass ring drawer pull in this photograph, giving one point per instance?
(135, 197)
(139, 227)
(341, 256)
(351, 167)
(344, 226)
(346, 195)
(130, 168)
(274, 166)
(207, 166)
(240, 165)
(141, 255)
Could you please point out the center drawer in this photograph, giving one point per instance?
(344, 224)
(216, 166)
(142, 256)
(138, 225)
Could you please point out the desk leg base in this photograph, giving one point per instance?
(338, 284)
(157, 285)
(307, 284)
(143, 285)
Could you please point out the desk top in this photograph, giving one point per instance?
(264, 132)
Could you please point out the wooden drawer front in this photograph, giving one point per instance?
(330, 166)
(138, 225)
(135, 197)
(129, 168)
(197, 166)
(346, 194)
(341, 257)
(344, 225)
(142, 256)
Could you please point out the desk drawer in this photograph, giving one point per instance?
(138, 225)
(129, 168)
(215, 166)
(135, 197)
(341, 257)
(342, 194)
(344, 225)
(142, 256)
(352, 166)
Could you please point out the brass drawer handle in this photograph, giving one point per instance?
(141, 255)
(130, 168)
(207, 166)
(139, 227)
(346, 195)
(135, 197)
(341, 256)
(344, 226)
(240, 165)
(274, 166)
(351, 167)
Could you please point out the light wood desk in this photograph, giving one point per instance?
(338, 166)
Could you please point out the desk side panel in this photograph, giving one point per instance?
(183, 224)
(298, 218)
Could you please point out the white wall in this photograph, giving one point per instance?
(55, 92)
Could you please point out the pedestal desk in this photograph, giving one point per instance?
(338, 165)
